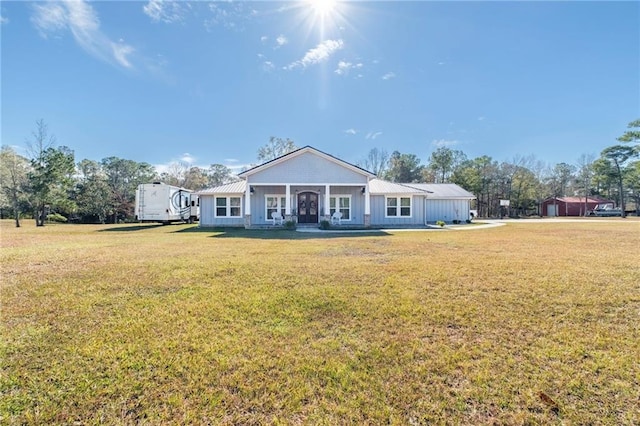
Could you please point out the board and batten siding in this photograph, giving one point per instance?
(379, 208)
(309, 169)
(207, 212)
(447, 210)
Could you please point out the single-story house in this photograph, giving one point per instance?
(570, 206)
(309, 186)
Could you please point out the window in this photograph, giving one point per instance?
(228, 207)
(274, 203)
(398, 207)
(343, 203)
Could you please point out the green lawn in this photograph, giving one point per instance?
(128, 324)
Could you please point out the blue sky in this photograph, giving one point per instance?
(210, 82)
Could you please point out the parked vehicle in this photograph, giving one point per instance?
(162, 203)
(606, 209)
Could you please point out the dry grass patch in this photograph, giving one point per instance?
(128, 324)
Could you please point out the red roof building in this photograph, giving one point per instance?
(570, 206)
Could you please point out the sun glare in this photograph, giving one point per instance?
(322, 7)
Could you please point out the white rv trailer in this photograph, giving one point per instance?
(159, 202)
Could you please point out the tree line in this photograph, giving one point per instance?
(48, 183)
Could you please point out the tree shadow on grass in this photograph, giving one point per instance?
(280, 234)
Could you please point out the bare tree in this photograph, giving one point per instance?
(377, 162)
(276, 147)
(585, 173)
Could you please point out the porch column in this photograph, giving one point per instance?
(247, 206)
(367, 200)
(287, 201)
(327, 204)
(367, 206)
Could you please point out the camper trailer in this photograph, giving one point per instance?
(162, 203)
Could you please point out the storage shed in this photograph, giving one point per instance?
(570, 206)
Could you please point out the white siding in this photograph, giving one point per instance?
(447, 210)
(307, 168)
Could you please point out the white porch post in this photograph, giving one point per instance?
(247, 206)
(367, 206)
(367, 200)
(327, 204)
(287, 201)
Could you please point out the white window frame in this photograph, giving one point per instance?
(281, 198)
(227, 206)
(398, 206)
(337, 205)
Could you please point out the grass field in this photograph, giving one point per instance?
(126, 324)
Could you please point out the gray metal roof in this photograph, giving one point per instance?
(443, 190)
(379, 186)
(230, 188)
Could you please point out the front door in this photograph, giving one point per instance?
(307, 207)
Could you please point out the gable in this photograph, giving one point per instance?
(307, 166)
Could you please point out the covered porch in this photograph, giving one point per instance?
(307, 204)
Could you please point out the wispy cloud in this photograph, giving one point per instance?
(281, 40)
(344, 67)
(268, 66)
(3, 20)
(232, 15)
(388, 76)
(439, 143)
(83, 23)
(264, 39)
(373, 135)
(187, 158)
(481, 118)
(351, 131)
(320, 53)
(167, 11)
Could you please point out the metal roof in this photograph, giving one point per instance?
(580, 199)
(443, 190)
(230, 188)
(379, 186)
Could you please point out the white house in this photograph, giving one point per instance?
(308, 186)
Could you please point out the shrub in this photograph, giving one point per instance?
(324, 224)
(440, 223)
(456, 222)
(290, 224)
(56, 217)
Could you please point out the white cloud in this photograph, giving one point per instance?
(230, 14)
(188, 158)
(388, 76)
(4, 20)
(281, 40)
(344, 67)
(351, 131)
(268, 66)
(481, 118)
(83, 23)
(438, 143)
(440, 63)
(263, 39)
(373, 135)
(320, 53)
(167, 11)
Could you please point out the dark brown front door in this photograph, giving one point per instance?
(307, 207)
